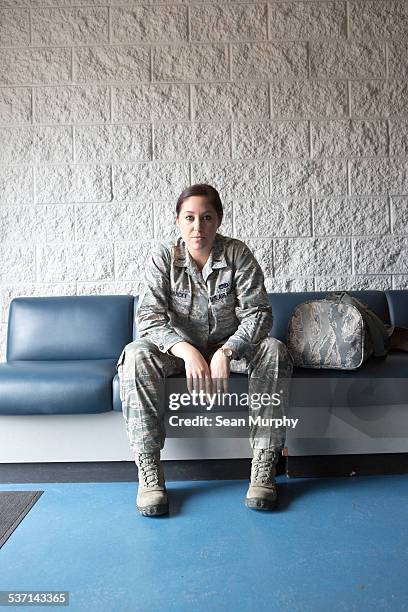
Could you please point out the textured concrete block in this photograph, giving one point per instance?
(71, 104)
(114, 222)
(112, 143)
(14, 27)
(353, 283)
(131, 258)
(227, 23)
(287, 285)
(149, 181)
(263, 251)
(398, 59)
(163, 102)
(308, 178)
(10, 291)
(307, 20)
(379, 99)
(152, 139)
(111, 64)
(378, 19)
(16, 185)
(72, 262)
(384, 255)
(359, 59)
(399, 137)
(37, 3)
(272, 218)
(271, 139)
(17, 263)
(35, 66)
(269, 60)
(165, 221)
(69, 26)
(379, 176)
(36, 224)
(308, 256)
(349, 138)
(149, 24)
(3, 342)
(226, 227)
(129, 2)
(309, 99)
(350, 216)
(111, 288)
(35, 145)
(15, 105)
(234, 179)
(190, 62)
(400, 281)
(230, 101)
(190, 141)
(73, 184)
(399, 214)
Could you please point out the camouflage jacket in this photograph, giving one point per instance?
(224, 304)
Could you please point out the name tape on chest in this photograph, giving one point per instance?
(181, 294)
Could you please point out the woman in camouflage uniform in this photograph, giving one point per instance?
(205, 311)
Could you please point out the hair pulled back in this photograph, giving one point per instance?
(202, 189)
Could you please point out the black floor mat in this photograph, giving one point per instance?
(14, 505)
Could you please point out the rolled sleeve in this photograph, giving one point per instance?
(152, 317)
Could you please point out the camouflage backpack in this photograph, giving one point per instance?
(338, 332)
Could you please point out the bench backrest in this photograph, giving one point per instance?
(99, 326)
(398, 306)
(69, 327)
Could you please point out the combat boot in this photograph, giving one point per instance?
(262, 493)
(151, 495)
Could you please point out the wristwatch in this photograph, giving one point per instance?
(227, 351)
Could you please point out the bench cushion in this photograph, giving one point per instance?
(56, 387)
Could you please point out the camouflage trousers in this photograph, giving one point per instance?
(143, 368)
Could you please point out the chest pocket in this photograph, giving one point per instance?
(180, 303)
(222, 304)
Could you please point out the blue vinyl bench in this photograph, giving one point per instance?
(62, 354)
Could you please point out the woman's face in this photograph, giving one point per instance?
(198, 223)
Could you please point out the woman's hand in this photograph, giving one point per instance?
(197, 370)
(220, 371)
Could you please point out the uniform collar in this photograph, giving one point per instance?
(216, 259)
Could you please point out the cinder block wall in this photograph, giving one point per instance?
(296, 111)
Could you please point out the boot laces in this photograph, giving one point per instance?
(262, 467)
(149, 469)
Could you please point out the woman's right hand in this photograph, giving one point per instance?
(197, 369)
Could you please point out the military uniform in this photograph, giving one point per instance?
(225, 304)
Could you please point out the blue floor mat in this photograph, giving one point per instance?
(333, 544)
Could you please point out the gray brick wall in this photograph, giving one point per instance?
(297, 111)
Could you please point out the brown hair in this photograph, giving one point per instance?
(202, 189)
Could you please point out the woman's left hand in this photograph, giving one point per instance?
(220, 371)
